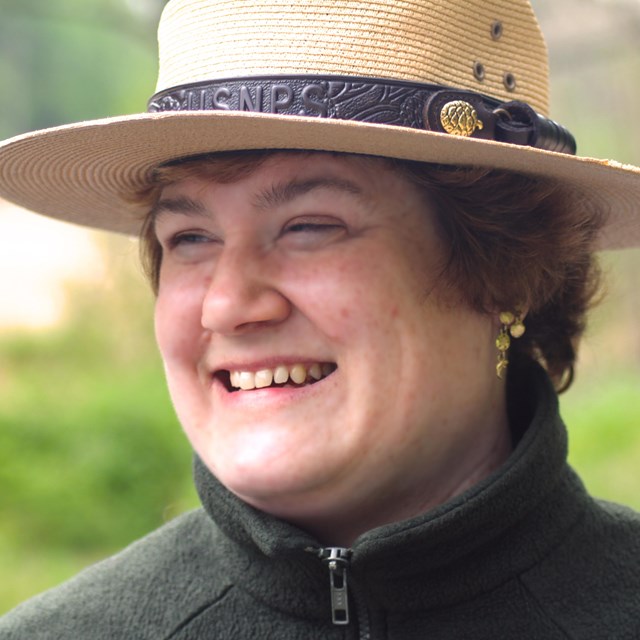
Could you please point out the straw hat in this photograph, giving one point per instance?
(457, 82)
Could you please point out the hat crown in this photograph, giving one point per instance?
(494, 47)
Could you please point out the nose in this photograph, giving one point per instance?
(243, 294)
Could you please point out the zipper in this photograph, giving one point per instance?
(362, 614)
(337, 560)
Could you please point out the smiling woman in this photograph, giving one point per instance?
(367, 299)
(275, 271)
(313, 226)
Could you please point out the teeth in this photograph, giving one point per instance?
(280, 374)
(327, 369)
(246, 380)
(264, 378)
(298, 373)
(315, 371)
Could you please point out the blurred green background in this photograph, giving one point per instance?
(91, 455)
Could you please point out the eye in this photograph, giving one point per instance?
(188, 238)
(187, 245)
(309, 231)
(299, 227)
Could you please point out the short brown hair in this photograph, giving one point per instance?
(514, 241)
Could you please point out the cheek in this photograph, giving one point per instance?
(331, 293)
(178, 324)
(180, 336)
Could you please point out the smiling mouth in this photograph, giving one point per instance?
(294, 376)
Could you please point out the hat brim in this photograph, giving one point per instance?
(85, 172)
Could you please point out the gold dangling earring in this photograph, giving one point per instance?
(512, 327)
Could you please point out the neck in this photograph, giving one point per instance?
(343, 527)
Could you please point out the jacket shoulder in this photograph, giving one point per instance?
(143, 592)
(589, 585)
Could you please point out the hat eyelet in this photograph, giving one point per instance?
(509, 81)
(496, 30)
(478, 71)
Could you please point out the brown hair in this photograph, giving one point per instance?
(514, 241)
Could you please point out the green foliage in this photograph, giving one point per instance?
(604, 435)
(91, 460)
(72, 60)
(91, 454)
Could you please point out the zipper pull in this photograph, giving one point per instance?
(337, 559)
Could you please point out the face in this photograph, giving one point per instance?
(312, 359)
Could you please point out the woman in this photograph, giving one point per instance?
(366, 296)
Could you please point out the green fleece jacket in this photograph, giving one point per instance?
(525, 554)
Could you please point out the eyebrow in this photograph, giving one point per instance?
(180, 204)
(281, 194)
(277, 195)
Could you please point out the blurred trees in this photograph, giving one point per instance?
(69, 60)
(594, 55)
(91, 454)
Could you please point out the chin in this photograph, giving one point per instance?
(271, 485)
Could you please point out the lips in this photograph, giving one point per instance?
(282, 375)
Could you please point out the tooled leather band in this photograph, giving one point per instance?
(390, 102)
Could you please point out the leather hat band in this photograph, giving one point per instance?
(403, 104)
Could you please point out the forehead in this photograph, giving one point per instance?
(231, 167)
(274, 177)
